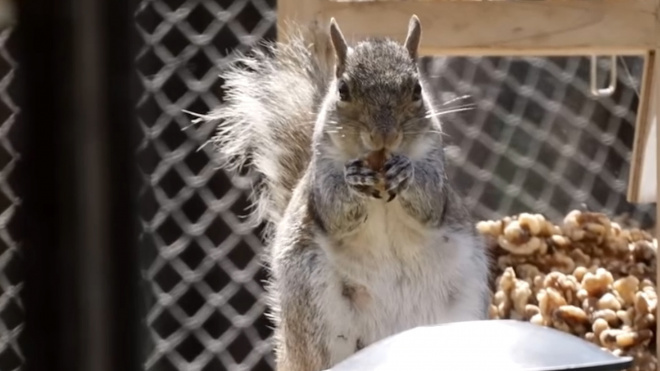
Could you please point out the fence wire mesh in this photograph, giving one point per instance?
(537, 142)
(538, 139)
(11, 276)
(203, 273)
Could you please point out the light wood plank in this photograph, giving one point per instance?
(550, 27)
(642, 130)
(295, 12)
(656, 83)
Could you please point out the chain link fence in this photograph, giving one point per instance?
(11, 275)
(537, 141)
(201, 266)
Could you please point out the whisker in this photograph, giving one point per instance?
(431, 113)
(456, 99)
(340, 128)
(425, 132)
(339, 132)
(460, 109)
(459, 106)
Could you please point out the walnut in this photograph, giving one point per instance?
(589, 276)
(560, 241)
(517, 240)
(644, 321)
(549, 299)
(527, 272)
(506, 261)
(609, 301)
(539, 283)
(579, 226)
(626, 288)
(630, 339)
(531, 310)
(626, 316)
(560, 262)
(597, 284)
(502, 303)
(642, 303)
(599, 325)
(376, 161)
(535, 224)
(491, 228)
(520, 295)
(579, 273)
(608, 315)
(508, 280)
(579, 258)
(493, 312)
(591, 337)
(608, 337)
(568, 286)
(538, 319)
(572, 315)
(643, 251)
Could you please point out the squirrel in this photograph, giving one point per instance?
(357, 250)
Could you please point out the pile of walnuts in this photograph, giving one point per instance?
(589, 277)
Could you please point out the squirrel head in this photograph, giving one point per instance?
(376, 99)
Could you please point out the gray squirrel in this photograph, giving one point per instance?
(356, 252)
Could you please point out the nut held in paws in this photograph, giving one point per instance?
(376, 161)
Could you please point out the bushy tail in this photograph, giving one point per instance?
(267, 119)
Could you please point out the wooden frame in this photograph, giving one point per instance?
(511, 28)
(642, 134)
(547, 27)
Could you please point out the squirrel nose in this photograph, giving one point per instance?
(387, 138)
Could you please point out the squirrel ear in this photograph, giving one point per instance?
(414, 36)
(339, 45)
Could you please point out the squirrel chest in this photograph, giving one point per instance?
(388, 234)
(392, 274)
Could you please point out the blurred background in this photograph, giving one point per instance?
(537, 141)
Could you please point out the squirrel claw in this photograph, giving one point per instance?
(398, 174)
(392, 196)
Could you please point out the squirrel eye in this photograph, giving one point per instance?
(417, 92)
(343, 91)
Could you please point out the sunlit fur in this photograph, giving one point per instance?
(348, 269)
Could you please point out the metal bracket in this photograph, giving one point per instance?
(608, 91)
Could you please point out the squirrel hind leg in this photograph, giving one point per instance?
(315, 327)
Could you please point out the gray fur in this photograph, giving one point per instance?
(348, 266)
(339, 46)
(267, 118)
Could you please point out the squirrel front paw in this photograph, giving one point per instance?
(361, 178)
(398, 174)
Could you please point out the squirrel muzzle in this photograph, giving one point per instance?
(379, 138)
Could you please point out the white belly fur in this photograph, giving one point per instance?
(407, 273)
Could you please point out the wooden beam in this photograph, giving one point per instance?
(642, 132)
(656, 103)
(536, 28)
(290, 12)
